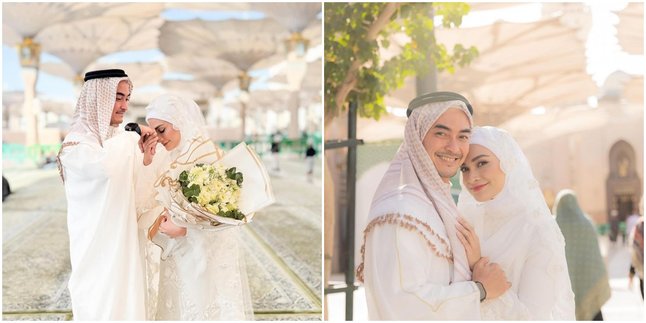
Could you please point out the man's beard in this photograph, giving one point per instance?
(447, 174)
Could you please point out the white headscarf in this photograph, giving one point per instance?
(183, 113)
(424, 174)
(521, 192)
(94, 108)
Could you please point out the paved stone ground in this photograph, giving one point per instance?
(282, 247)
(625, 303)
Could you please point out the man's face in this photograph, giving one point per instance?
(447, 142)
(121, 103)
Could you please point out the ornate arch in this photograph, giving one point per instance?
(623, 185)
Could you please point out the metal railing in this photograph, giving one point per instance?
(351, 172)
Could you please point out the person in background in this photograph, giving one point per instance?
(310, 157)
(276, 140)
(588, 273)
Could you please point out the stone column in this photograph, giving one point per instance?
(245, 82)
(214, 116)
(294, 106)
(296, 67)
(29, 53)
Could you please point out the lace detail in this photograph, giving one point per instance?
(203, 279)
(412, 224)
(151, 256)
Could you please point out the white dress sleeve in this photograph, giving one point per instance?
(544, 291)
(408, 281)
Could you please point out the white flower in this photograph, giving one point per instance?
(218, 193)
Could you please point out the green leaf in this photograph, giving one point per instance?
(233, 214)
(232, 174)
(191, 192)
(183, 178)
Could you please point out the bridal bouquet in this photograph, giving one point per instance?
(214, 188)
(200, 189)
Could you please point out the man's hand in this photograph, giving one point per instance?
(146, 132)
(149, 146)
(148, 143)
(492, 278)
(171, 229)
(469, 239)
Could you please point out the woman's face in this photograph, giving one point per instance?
(168, 136)
(481, 173)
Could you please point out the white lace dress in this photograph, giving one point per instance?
(205, 279)
(205, 276)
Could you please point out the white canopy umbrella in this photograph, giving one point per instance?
(21, 24)
(630, 30)
(216, 71)
(140, 73)
(295, 16)
(28, 19)
(197, 90)
(241, 42)
(634, 90)
(81, 43)
(480, 6)
(244, 43)
(209, 6)
(520, 66)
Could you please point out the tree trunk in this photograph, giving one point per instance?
(350, 80)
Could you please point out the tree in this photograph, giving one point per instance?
(354, 33)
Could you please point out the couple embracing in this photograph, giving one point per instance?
(497, 255)
(110, 178)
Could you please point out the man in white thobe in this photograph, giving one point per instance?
(413, 265)
(98, 162)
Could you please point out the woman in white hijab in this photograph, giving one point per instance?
(202, 276)
(514, 227)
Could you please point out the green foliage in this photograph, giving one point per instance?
(346, 29)
(233, 214)
(232, 174)
(191, 192)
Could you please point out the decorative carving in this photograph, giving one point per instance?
(29, 52)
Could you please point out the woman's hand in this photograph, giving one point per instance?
(467, 235)
(171, 229)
